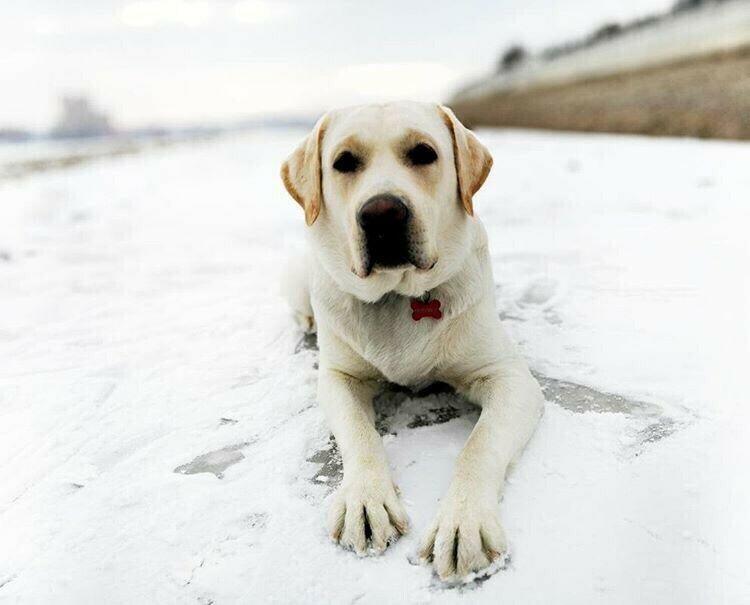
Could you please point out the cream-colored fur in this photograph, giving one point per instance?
(367, 336)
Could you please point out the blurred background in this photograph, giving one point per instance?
(149, 69)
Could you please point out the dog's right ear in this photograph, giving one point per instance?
(302, 175)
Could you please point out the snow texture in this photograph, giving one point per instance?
(159, 436)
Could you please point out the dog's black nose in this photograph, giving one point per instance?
(382, 214)
(385, 222)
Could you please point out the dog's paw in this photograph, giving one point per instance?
(366, 514)
(466, 537)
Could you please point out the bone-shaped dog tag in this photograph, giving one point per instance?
(420, 309)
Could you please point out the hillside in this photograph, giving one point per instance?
(688, 74)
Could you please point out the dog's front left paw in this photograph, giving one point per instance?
(466, 536)
(366, 514)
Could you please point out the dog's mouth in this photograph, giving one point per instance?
(392, 252)
(388, 238)
(388, 249)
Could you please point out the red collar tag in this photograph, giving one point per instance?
(430, 308)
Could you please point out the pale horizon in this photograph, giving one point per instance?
(180, 62)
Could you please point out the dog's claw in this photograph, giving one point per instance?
(366, 516)
(465, 538)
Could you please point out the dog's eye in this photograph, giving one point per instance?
(346, 162)
(421, 155)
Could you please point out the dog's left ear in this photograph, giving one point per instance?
(302, 175)
(473, 161)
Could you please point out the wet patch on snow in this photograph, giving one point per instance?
(662, 428)
(656, 430)
(215, 462)
(398, 409)
(581, 399)
(330, 466)
(308, 342)
(437, 415)
(653, 424)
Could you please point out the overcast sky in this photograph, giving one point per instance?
(183, 61)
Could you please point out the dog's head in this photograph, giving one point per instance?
(387, 191)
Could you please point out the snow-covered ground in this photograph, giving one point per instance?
(21, 159)
(50, 149)
(143, 340)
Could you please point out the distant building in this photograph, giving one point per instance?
(80, 119)
(14, 135)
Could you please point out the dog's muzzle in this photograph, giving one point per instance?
(385, 221)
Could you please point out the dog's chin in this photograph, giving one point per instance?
(407, 279)
(373, 272)
(400, 267)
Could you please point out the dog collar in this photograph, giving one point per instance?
(425, 307)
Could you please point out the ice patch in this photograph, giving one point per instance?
(398, 410)
(581, 399)
(215, 462)
(331, 467)
(308, 342)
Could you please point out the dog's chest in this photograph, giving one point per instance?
(406, 351)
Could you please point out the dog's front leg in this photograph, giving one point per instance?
(467, 535)
(365, 513)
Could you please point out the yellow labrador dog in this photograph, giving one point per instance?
(399, 286)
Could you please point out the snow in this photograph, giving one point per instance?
(46, 149)
(159, 437)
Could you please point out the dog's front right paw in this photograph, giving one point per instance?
(466, 537)
(366, 514)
